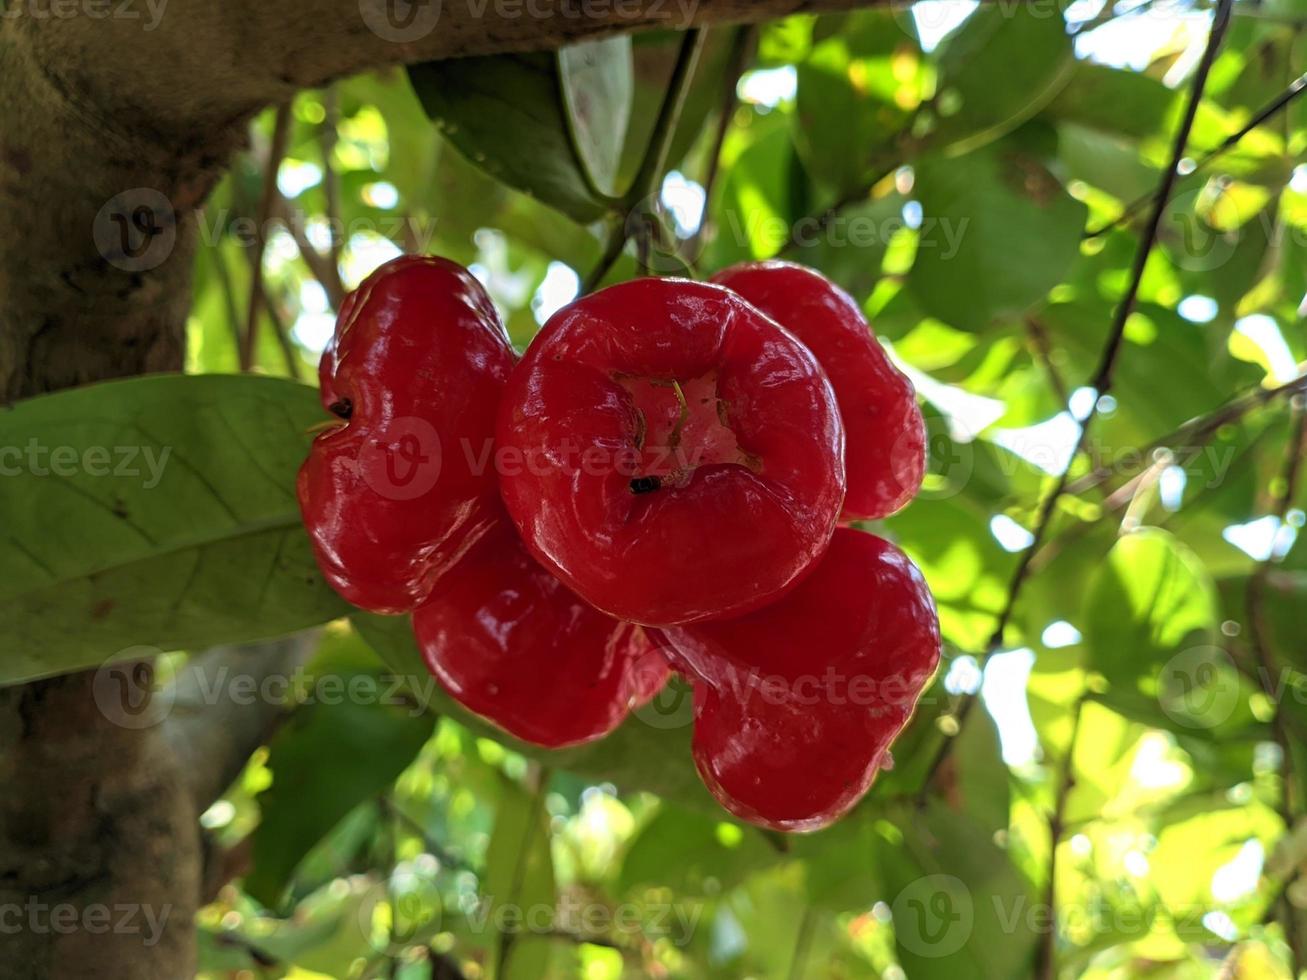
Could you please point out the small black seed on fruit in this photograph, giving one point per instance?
(645, 484)
(344, 408)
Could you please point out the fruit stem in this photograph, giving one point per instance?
(648, 179)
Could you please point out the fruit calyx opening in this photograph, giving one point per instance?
(681, 425)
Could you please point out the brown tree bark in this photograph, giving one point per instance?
(103, 115)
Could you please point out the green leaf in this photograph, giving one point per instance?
(757, 205)
(342, 748)
(850, 250)
(159, 510)
(692, 853)
(998, 232)
(1150, 603)
(1105, 160)
(855, 90)
(518, 890)
(1114, 101)
(980, 788)
(999, 69)
(506, 113)
(968, 573)
(598, 82)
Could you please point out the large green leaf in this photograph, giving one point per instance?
(850, 249)
(346, 744)
(1000, 68)
(758, 203)
(156, 511)
(998, 232)
(507, 114)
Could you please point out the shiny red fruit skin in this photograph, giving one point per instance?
(511, 643)
(728, 540)
(796, 704)
(396, 493)
(885, 452)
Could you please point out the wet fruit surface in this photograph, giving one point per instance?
(679, 457)
(513, 644)
(885, 454)
(399, 487)
(797, 704)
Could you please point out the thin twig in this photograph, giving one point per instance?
(1045, 952)
(538, 776)
(1040, 347)
(1296, 88)
(1197, 431)
(328, 136)
(228, 295)
(614, 244)
(1260, 639)
(323, 268)
(267, 207)
(1101, 383)
(741, 50)
(290, 354)
(1103, 374)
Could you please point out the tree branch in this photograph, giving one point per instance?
(210, 64)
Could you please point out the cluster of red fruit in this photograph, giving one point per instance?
(663, 481)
